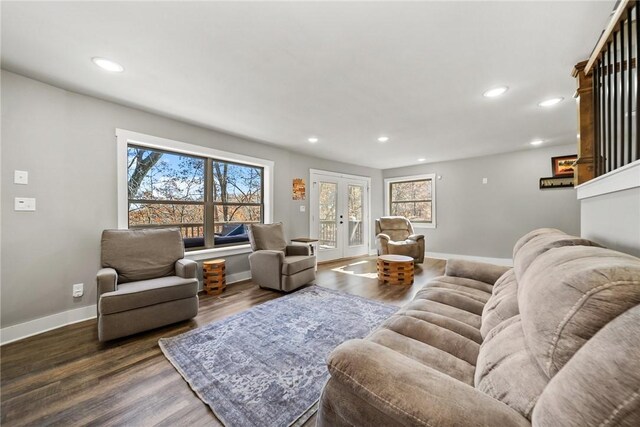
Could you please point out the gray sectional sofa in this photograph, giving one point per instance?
(554, 341)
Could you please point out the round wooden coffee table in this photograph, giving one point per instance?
(395, 269)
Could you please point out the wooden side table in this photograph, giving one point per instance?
(395, 269)
(312, 243)
(214, 277)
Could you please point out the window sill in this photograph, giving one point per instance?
(205, 254)
(422, 225)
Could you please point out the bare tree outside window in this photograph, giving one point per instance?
(167, 189)
(412, 199)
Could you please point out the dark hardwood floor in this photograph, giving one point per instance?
(66, 377)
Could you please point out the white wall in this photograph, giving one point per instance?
(610, 209)
(487, 219)
(66, 141)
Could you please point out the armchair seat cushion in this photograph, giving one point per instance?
(297, 263)
(130, 296)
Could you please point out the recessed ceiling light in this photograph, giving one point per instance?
(383, 139)
(422, 159)
(496, 91)
(536, 142)
(550, 102)
(313, 140)
(108, 65)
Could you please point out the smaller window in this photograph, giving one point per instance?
(412, 198)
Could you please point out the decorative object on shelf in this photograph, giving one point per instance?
(556, 182)
(299, 189)
(214, 277)
(395, 269)
(564, 165)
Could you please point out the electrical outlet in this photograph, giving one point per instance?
(25, 204)
(78, 290)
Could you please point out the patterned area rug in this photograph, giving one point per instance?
(266, 366)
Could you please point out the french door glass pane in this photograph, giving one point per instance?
(356, 195)
(328, 210)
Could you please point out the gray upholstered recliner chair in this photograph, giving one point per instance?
(145, 282)
(276, 265)
(394, 235)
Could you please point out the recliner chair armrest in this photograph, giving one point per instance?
(416, 237)
(383, 236)
(266, 268)
(186, 268)
(412, 393)
(292, 250)
(484, 272)
(107, 279)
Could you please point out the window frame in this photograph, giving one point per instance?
(124, 138)
(411, 178)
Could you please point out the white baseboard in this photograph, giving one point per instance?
(508, 262)
(47, 323)
(43, 324)
(238, 277)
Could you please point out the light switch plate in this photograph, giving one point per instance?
(20, 177)
(25, 204)
(485, 180)
(303, 208)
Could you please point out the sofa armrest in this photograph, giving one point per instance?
(412, 393)
(292, 250)
(416, 237)
(107, 279)
(266, 268)
(481, 271)
(186, 268)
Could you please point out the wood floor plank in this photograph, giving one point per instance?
(66, 377)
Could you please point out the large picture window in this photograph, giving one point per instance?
(210, 200)
(412, 197)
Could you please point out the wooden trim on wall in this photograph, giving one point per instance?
(585, 166)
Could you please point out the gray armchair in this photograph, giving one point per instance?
(145, 282)
(394, 235)
(276, 265)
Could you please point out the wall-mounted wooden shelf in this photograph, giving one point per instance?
(556, 182)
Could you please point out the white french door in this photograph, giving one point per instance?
(339, 216)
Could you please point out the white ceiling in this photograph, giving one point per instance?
(343, 71)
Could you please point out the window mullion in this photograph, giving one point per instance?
(208, 204)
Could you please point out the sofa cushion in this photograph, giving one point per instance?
(296, 263)
(503, 303)
(267, 237)
(426, 354)
(138, 254)
(462, 286)
(505, 369)
(451, 298)
(598, 386)
(537, 242)
(568, 294)
(461, 315)
(436, 335)
(144, 293)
